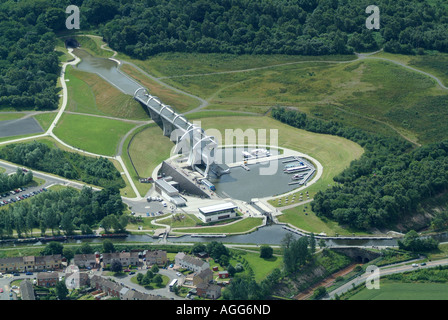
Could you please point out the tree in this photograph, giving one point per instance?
(266, 252)
(198, 247)
(319, 293)
(158, 280)
(68, 254)
(85, 248)
(224, 260)
(140, 277)
(155, 269)
(53, 248)
(108, 246)
(115, 266)
(61, 290)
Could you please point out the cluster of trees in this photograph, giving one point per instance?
(16, 180)
(296, 252)
(386, 184)
(413, 242)
(306, 27)
(70, 165)
(151, 276)
(66, 209)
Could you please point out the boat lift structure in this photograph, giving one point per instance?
(190, 139)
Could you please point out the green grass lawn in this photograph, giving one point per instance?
(240, 226)
(89, 93)
(152, 285)
(391, 290)
(179, 102)
(10, 116)
(148, 148)
(92, 134)
(306, 219)
(175, 64)
(45, 119)
(181, 220)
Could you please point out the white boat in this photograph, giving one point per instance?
(298, 176)
(295, 169)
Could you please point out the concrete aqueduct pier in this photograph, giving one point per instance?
(190, 139)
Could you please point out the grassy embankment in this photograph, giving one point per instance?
(375, 95)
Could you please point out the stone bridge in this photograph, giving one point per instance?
(359, 255)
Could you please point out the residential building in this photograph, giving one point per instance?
(30, 263)
(47, 279)
(157, 257)
(107, 286)
(210, 291)
(205, 276)
(191, 263)
(86, 260)
(126, 258)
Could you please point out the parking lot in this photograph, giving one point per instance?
(19, 194)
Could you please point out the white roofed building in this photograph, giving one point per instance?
(218, 212)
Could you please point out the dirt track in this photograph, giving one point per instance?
(327, 282)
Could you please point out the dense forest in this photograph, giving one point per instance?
(28, 28)
(39, 156)
(385, 185)
(67, 209)
(305, 27)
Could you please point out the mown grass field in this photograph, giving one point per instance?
(240, 226)
(391, 290)
(97, 135)
(89, 93)
(148, 149)
(179, 102)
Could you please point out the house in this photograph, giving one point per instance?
(30, 263)
(86, 260)
(205, 276)
(125, 258)
(157, 257)
(27, 290)
(47, 279)
(107, 286)
(210, 291)
(50, 262)
(191, 263)
(223, 274)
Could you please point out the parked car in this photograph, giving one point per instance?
(29, 273)
(415, 265)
